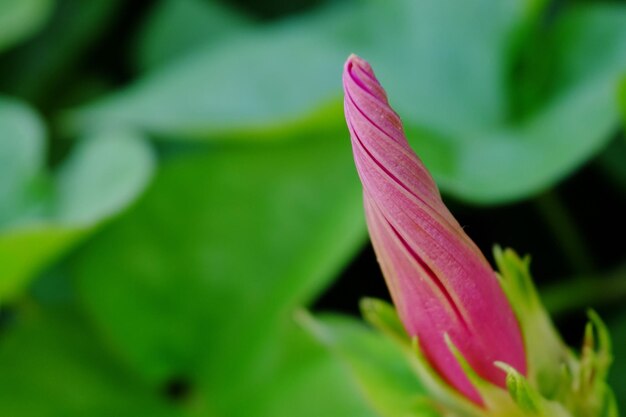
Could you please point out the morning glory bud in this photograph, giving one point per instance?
(440, 282)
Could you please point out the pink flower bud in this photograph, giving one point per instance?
(439, 280)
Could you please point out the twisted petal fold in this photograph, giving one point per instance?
(439, 280)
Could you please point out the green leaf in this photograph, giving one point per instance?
(230, 88)
(378, 365)
(21, 156)
(46, 68)
(176, 27)
(223, 245)
(54, 364)
(574, 124)
(104, 173)
(281, 73)
(25, 252)
(622, 98)
(20, 19)
(449, 85)
(42, 215)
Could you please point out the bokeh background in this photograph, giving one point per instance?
(176, 188)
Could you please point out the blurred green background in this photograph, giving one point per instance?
(177, 184)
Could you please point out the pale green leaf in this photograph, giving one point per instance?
(449, 84)
(42, 215)
(21, 157)
(176, 27)
(20, 19)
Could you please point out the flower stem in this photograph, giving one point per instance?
(565, 232)
(586, 291)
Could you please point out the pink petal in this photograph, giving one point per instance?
(438, 278)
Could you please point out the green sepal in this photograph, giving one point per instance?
(589, 392)
(526, 398)
(546, 359)
(520, 399)
(558, 382)
(383, 316)
(555, 373)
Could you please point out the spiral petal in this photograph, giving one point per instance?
(439, 280)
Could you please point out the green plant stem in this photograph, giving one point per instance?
(584, 292)
(565, 232)
(611, 163)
